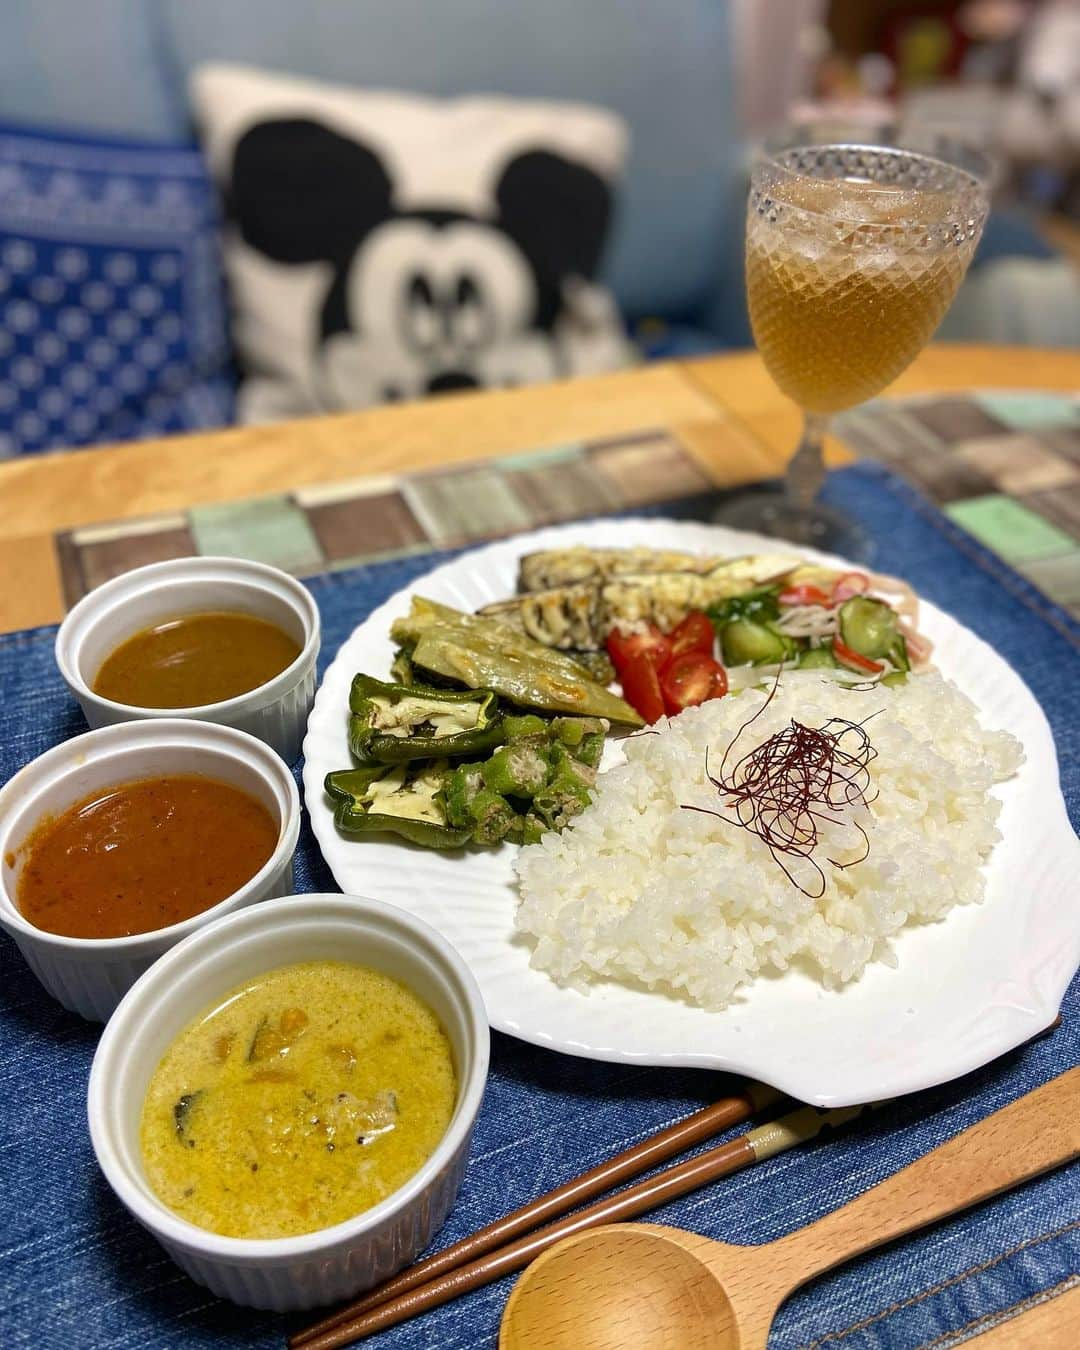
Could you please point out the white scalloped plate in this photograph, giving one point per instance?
(967, 989)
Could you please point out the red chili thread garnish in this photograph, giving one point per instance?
(790, 784)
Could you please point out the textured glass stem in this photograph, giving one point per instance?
(806, 470)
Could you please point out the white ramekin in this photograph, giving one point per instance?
(276, 712)
(334, 1263)
(91, 975)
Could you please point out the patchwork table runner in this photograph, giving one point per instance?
(1006, 467)
(76, 1271)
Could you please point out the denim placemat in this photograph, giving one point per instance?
(75, 1271)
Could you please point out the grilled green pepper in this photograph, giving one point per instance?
(403, 799)
(485, 654)
(393, 723)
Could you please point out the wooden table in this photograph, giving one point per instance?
(725, 409)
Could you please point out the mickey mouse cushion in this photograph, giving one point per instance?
(383, 246)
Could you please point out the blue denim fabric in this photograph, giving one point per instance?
(76, 1271)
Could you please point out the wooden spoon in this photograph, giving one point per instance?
(650, 1287)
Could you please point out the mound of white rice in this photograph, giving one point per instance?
(639, 890)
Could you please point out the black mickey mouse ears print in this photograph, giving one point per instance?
(301, 192)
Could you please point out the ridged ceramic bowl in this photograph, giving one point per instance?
(91, 975)
(276, 712)
(333, 1263)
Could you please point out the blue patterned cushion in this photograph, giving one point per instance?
(113, 321)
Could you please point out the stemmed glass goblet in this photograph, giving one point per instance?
(854, 252)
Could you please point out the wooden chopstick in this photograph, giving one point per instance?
(757, 1144)
(658, 1148)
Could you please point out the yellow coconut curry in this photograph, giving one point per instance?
(299, 1100)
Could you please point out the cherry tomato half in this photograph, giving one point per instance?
(623, 647)
(690, 679)
(694, 634)
(805, 594)
(854, 659)
(641, 687)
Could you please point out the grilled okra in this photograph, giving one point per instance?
(582, 736)
(526, 829)
(567, 791)
(519, 769)
(472, 805)
(492, 817)
(528, 724)
(462, 786)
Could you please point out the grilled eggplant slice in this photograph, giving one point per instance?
(579, 617)
(565, 618)
(553, 567)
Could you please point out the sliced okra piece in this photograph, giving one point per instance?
(518, 769)
(582, 736)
